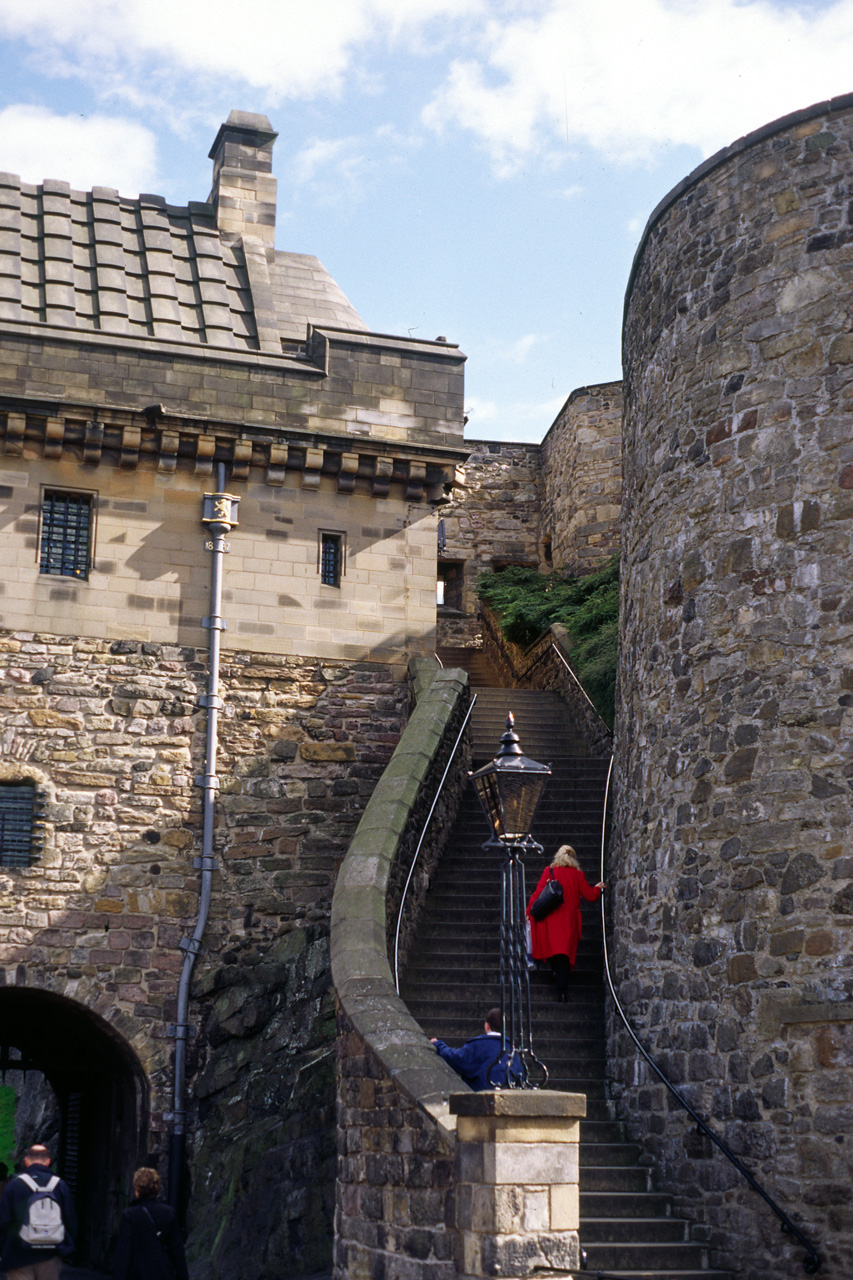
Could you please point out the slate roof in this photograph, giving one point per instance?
(95, 261)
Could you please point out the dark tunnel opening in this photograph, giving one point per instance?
(102, 1098)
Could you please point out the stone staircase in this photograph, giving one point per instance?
(627, 1227)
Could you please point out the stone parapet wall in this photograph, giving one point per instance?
(385, 390)
(546, 664)
(113, 735)
(581, 462)
(732, 884)
(396, 1142)
(412, 1202)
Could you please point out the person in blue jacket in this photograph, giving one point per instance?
(479, 1061)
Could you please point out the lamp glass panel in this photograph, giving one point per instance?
(520, 794)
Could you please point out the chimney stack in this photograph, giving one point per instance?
(244, 190)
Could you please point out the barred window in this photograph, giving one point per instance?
(65, 546)
(21, 816)
(331, 558)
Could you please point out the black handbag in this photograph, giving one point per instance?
(549, 899)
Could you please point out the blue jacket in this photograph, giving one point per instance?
(13, 1210)
(476, 1061)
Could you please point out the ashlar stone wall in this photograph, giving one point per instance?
(732, 880)
(150, 575)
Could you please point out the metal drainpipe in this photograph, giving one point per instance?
(219, 514)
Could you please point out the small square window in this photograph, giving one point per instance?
(331, 552)
(65, 542)
(21, 811)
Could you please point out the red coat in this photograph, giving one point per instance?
(560, 932)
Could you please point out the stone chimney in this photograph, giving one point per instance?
(244, 190)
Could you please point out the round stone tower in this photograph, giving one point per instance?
(732, 871)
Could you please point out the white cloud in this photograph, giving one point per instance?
(518, 351)
(85, 151)
(282, 46)
(626, 78)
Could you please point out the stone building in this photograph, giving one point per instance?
(554, 505)
(181, 403)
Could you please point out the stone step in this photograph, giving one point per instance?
(620, 1155)
(657, 1258)
(622, 1204)
(640, 1230)
(624, 1178)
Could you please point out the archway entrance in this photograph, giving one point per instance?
(101, 1097)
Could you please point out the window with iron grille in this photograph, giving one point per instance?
(21, 814)
(331, 558)
(65, 545)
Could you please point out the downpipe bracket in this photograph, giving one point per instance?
(192, 946)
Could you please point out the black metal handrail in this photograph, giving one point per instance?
(812, 1261)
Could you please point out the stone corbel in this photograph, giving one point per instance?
(16, 425)
(277, 464)
(313, 469)
(169, 442)
(383, 471)
(242, 459)
(348, 472)
(93, 443)
(205, 449)
(415, 482)
(54, 438)
(131, 438)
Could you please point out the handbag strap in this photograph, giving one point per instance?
(150, 1218)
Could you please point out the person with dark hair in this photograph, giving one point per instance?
(149, 1245)
(38, 1224)
(480, 1062)
(556, 938)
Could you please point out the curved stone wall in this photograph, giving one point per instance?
(732, 891)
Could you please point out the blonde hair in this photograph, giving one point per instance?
(565, 857)
(146, 1184)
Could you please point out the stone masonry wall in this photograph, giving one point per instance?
(492, 519)
(732, 881)
(582, 479)
(150, 576)
(113, 734)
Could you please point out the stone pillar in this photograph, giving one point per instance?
(517, 1182)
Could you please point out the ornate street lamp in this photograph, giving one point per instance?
(509, 789)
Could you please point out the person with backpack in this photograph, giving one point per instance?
(149, 1245)
(38, 1225)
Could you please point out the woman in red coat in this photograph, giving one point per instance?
(556, 938)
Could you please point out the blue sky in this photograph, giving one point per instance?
(480, 169)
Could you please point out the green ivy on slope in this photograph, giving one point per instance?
(7, 1125)
(528, 602)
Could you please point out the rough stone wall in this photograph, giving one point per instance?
(492, 519)
(114, 736)
(582, 479)
(732, 878)
(395, 1176)
(549, 506)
